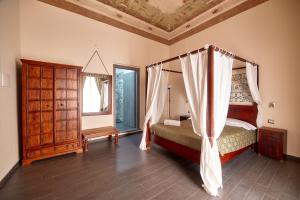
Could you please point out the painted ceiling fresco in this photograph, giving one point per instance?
(165, 14)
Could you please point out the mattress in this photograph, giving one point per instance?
(231, 139)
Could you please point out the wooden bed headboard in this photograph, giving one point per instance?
(247, 113)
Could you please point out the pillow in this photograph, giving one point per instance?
(239, 123)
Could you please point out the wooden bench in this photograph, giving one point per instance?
(98, 132)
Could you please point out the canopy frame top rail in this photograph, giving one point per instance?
(203, 49)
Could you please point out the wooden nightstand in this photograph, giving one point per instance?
(272, 142)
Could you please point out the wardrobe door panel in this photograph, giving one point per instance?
(33, 141)
(34, 128)
(34, 72)
(61, 115)
(47, 72)
(72, 104)
(61, 104)
(47, 139)
(61, 73)
(47, 105)
(34, 106)
(47, 83)
(72, 125)
(72, 135)
(47, 127)
(72, 85)
(61, 84)
(60, 137)
(34, 83)
(61, 125)
(72, 73)
(72, 114)
(47, 94)
(34, 94)
(34, 117)
(61, 94)
(71, 95)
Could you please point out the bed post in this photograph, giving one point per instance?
(148, 133)
(210, 94)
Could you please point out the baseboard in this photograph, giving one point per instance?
(294, 158)
(9, 174)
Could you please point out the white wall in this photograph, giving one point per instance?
(9, 52)
(269, 35)
(55, 35)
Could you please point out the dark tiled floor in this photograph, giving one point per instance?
(125, 172)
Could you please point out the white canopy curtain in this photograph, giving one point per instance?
(251, 72)
(156, 98)
(194, 70)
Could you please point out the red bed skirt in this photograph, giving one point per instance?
(192, 154)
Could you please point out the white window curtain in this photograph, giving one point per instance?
(156, 98)
(194, 69)
(251, 72)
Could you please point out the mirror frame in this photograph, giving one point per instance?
(109, 111)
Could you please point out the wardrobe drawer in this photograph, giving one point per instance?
(33, 153)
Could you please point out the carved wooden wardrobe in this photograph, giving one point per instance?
(50, 110)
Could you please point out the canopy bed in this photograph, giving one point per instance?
(207, 76)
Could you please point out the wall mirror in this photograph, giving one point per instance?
(96, 94)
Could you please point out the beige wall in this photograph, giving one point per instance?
(269, 35)
(9, 51)
(55, 35)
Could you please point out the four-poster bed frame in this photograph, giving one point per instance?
(247, 113)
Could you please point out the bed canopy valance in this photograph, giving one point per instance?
(207, 76)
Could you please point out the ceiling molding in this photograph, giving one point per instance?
(102, 18)
(75, 8)
(222, 17)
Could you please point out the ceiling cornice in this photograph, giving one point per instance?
(113, 22)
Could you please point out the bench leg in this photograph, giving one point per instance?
(85, 145)
(109, 137)
(116, 138)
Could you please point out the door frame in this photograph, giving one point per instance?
(137, 70)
